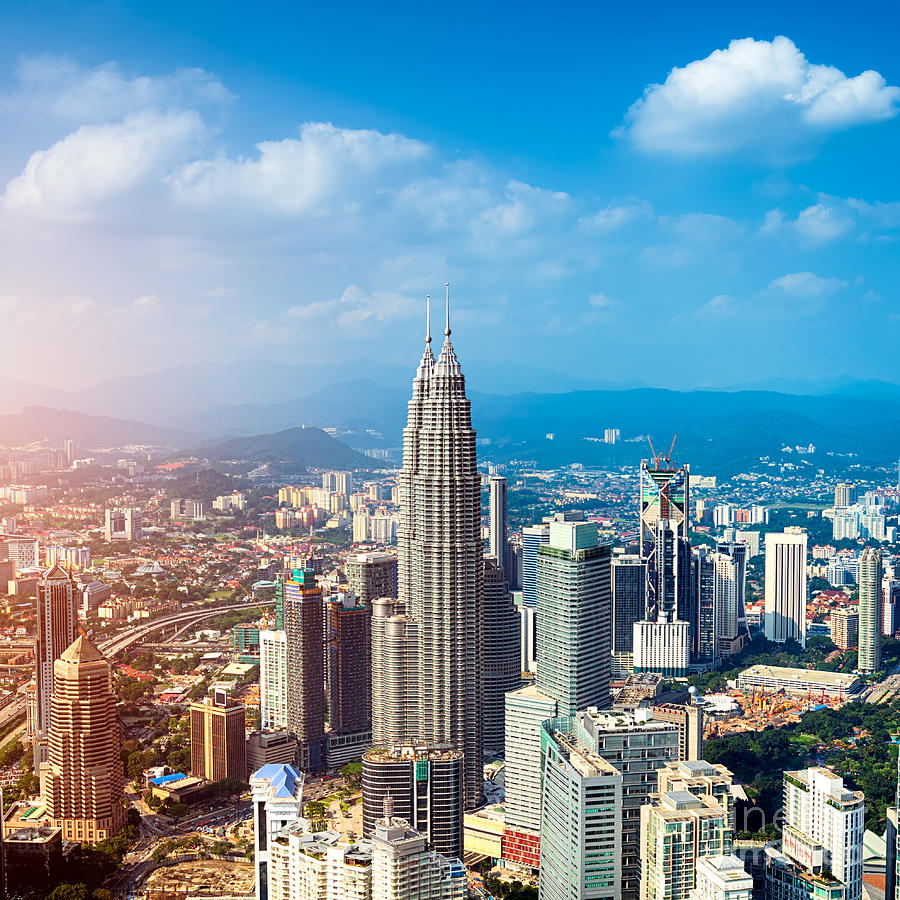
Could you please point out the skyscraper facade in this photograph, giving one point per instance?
(349, 665)
(574, 600)
(304, 624)
(871, 608)
(372, 575)
(218, 738)
(56, 628)
(629, 592)
(440, 562)
(498, 525)
(502, 652)
(83, 778)
(532, 537)
(273, 679)
(785, 586)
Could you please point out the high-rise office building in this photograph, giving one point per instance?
(731, 589)
(870, 611)
(440, 565)
(273, 679)
(629, 592)
(689, 719)
(574, 600)
(56, 630)
(664, 508)
(349, 665)
(304, 623)
(425, 787)
(785, 586)
(395, 673)
(704, 638)
(218, 737)
(502, 650)
(404, 868)
(821, 854)
(498, 525)
(679, 828)
(69, 450)
(581, 818)
(662, 647)
(721, 878)
(83, 778)
(372, 575)
(532, 537)
(277, 803)
(526, 710)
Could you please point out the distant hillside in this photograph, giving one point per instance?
(38, 423)
(297, 448)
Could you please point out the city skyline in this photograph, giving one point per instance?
(727, 176)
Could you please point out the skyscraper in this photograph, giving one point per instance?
(574, 599)
(372, 575)
(273, 679)
(304, 624)
(733, 619)
(441, 570)
(870, 610)
(83, 779)
(785, 586)
(56, 622)
(349, 665)
(218, 738)
(629, 586)
(498, 525)
(532, 537)
(502, 650)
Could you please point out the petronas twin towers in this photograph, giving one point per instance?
(426, 647)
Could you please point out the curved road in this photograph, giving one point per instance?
(112, 646)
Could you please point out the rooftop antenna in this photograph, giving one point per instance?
(428, 318)
(447, 329)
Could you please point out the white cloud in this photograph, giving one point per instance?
(760, 96)
(615, 216)
(74, 176)
(722, 306)
(602, 301)
(355, 307)
(325, 165)
(806, 284)
(61, 87)
(822, 223)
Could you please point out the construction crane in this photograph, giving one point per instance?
(661, 461)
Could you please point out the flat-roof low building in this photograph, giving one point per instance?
(834, 685)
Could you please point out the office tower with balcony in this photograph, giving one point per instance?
(304, 624)
(83, 779)
(372, 575)
(218, 738)
(502, 651)
(273, 680)
(871, 607)
(440, 572)
(785, 586)
(574, 600)
(581, 819)
(821, 853)
(498, 526)
(425, 786)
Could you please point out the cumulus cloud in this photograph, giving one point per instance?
(806, 284)
(762, 96)
(722, 306)
(60, 86)
(77, 174)
(616, 215)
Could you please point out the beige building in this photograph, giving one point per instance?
(844, 626)
(83, 777)
(218, 738)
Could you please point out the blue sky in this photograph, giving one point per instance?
(683, 198)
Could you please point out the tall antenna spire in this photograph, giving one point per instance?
(447, 328)
(428, 318)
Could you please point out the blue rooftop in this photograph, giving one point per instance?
(165, 779)
(284, 780)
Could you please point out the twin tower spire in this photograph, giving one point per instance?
(428, 316)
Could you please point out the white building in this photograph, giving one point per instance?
(123, 525)
(785, 586)
(662, 647)
(273, 679)
(228, 502)
(277, 803)
(721, 878)
(822, 840)
(403, 868)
